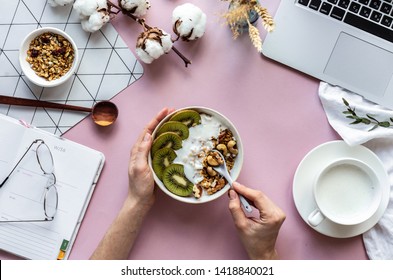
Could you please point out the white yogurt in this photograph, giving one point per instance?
(197, 145)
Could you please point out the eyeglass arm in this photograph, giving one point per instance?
(28, 221)
(5, 180)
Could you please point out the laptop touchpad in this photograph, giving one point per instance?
(361, 64)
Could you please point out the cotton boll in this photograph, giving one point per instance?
(95, 21)
(86, 8)
(93, 13)
(136, 7)
(154, 49)
(55, 3)
(144, 56)
(153, 43)
(166, 42)
(189, 22)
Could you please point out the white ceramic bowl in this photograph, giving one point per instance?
(234, 172)
(26, 67)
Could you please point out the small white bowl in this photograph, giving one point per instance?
(26, 67)
(235, 172)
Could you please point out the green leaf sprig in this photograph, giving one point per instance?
(367, 120)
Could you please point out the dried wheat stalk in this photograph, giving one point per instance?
(240, 11)
(267, 19)
(255, 37)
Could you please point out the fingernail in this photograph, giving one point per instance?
(232, 194)
(235, 184)
(147, 137)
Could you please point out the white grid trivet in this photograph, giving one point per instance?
(106, 66)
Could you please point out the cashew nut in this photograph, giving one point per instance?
(212, 161)
(231, 144)
(211, 171)
(223, 148)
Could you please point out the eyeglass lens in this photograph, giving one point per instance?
(44, 158)
(50, 202)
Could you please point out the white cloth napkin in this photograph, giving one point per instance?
(378, 241)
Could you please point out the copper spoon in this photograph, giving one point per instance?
(103, 113)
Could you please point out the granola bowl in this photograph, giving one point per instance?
(183, 151)
(48, 56)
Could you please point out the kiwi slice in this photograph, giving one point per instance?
(172, 126)
(166, 140)
(176, 181)
(162, 159)
(188, 117)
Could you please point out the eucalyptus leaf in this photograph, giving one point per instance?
(366, 121)
(371, 117)
(374, 127)
(356, 121)
(384, 124)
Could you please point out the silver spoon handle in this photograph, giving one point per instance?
(245, 203)
(243, 200)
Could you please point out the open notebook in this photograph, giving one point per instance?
(77, 169)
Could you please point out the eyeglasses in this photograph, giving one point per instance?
(45, 161)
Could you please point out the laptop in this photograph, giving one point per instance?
(348, 43)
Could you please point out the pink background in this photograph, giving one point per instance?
(276, 111)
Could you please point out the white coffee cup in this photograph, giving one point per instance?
(347, 191)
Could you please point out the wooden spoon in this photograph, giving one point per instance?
(104, 113)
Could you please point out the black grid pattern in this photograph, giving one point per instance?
(106, 65)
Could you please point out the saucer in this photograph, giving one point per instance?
(313, 163)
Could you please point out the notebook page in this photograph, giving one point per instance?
(76, 168)
(17, 193)
(10, 137)
(22, 199)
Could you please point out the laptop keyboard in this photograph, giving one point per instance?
(373, 16)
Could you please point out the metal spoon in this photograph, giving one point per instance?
(103, 113)
(223, 170)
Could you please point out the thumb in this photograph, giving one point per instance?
(235, 208)
(143, 149)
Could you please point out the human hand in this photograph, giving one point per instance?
(141, 182)
(258, 235)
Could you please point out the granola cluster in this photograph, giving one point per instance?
(213, 181)
(50, 55)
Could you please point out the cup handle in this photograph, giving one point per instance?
(315, 218)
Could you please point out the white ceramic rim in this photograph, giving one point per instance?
(29, 72)
(372, 207)
(235, 172)
(311, 165)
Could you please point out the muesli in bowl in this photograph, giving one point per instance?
(183, 154)
(48, 56)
